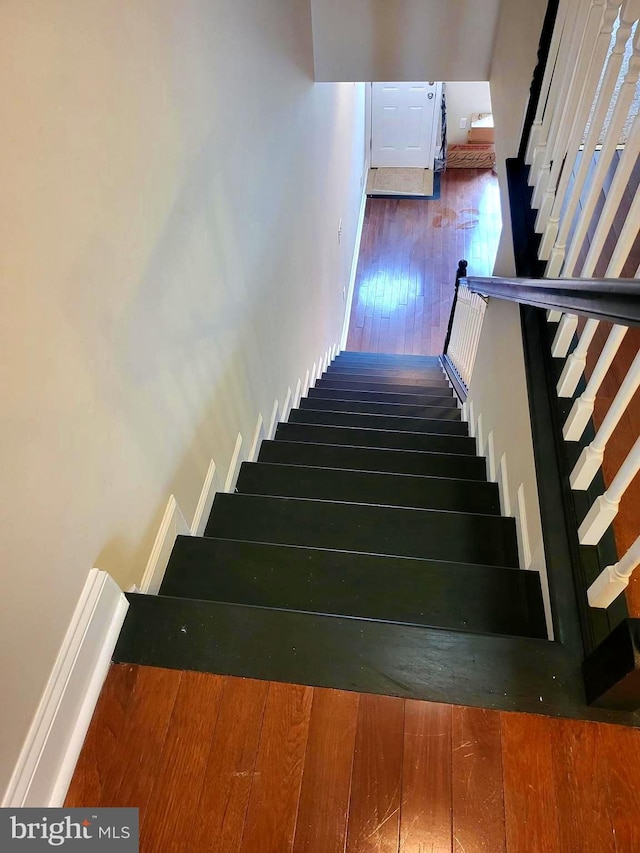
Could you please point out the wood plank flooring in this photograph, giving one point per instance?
(221, 764)
(408, 259)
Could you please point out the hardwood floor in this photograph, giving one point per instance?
(408, 259)
(226, 764)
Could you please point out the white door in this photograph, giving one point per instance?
(404, 124)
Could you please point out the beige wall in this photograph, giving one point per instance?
(382, 40)
(498, 394)
(172, 182)
(514, 60)
(464, 99)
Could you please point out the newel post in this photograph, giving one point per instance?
(461, 272)
(612, 671)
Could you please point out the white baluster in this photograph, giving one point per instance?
(628, 14)
(535, 134)
(592, 59)
(591, 457)
(605, 507)
(627, 236)
(576, 362)
(567, 11)
(621, 180)
(554, 316)
(582, 409)
(614, 579)
(607, 153)
(564, 335)
(567, 101)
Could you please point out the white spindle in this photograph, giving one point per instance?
(582, 409)
(592, 60)
(627, 236)
(564, 335)
(591, 457)
(535, 134)
(611, 138)
(576, 362)
(563, 77)
(605, 507)
(621, 179)
(614, 579)
(628, 14)
(567, 12)
(568, 94)
(554, 316)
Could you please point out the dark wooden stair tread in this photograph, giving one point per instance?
(434, 664)
(416, 462)
(374, 408)
(489, 599)
(446, 399)
(331, 434)
(374, 385)
(392, 378)
(374, 487)
(384, 422)
(430, 534)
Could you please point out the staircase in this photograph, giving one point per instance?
(364, 549)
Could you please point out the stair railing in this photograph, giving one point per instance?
(585, 141)
(615, 301)
(463, 333)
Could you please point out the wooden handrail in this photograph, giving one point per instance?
(615, 300)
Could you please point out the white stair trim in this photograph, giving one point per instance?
(48, 757)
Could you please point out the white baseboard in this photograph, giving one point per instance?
(258, 435)
(205, 502)
(48, 758)
(273, 423)
(173, 524)
(354, 269)
(307, 383)
(234, 466)
(298, 394)
(286, 406)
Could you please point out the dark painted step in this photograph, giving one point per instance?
(430, 534)
(440, 400)
(374, 459)
(398, 373)
(349, 384)
(382, 422)
(323, 434)
(481, 670)
(368, 487)
(391, 379)
(396, 409)
(387, 358)
(396, 589)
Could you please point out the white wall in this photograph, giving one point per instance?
(172, 182)
(383, 40)
(464, 99)
(514, 60)
(498, 394)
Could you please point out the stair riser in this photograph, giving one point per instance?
(376, 438)
(437, 400)
(371, 459)
(382, 422)
(387, 387)
(427, 534)
(470, 598)
(261, 478)
(397, 410)
(382, 379)
(398, 374)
